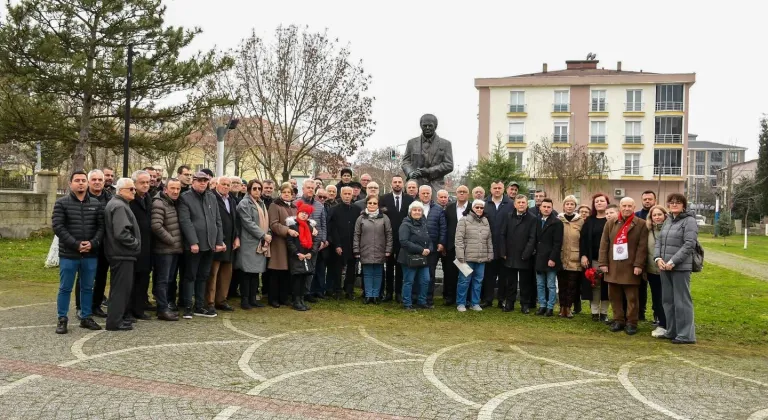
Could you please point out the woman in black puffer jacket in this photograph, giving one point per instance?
(414, 241)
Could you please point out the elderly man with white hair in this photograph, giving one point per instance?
(623, 256)
(371, 190)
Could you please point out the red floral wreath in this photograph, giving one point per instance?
(593, 276)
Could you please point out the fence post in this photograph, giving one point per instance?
(47, 182)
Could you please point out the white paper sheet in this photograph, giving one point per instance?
(463, 267)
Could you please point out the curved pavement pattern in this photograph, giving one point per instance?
(227, 368)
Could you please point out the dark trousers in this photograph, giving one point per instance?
(139, 292)
(393, 283)
(320, 284)
(299, 285)
(432, 260)
(279, 286)
(513, 278)
(654, 280)
(249, 287)
(568, 283)
(100, 281)
(176, 290)
(616, 293)
(348, 267)
(528, 288)
(493, 270)
(164, 267)
(238, 276)
(121, 284)
(450, 276)
(197, 268)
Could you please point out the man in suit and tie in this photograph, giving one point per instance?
(453, 213)
(395, 206)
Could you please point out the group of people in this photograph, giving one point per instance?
(224, 238)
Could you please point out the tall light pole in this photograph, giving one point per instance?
(221, 133)
(127, 133)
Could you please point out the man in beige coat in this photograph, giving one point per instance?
(623, 255)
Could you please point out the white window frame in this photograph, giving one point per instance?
(517, 101)
(598, 136)
(560, 105)
(636, 104)
(633, 132)
(518, 157)
(634, 163)
(597, 101)
(561, 125)
(519, 136)
(733, 157)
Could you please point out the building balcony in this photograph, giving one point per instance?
(668, 139)
(560, 138)
(518, 108)
(632, 142)
(516, 139)
(597, 139)
(634, 109)
(598, 106)
(669, 107)
(668, 170)
(561, 110)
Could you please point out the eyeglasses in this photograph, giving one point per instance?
(676, 203)
(478, 207)
(373, 202)
(256, 189)
(131, 189)
(322, 197)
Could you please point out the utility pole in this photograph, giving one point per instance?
(127, 133)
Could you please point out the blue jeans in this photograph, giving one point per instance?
(419, 274)
(165, 267)
(374, 275)
(546, 280)
(476, 278)
(85, 268)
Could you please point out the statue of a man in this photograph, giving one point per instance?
(428, 158)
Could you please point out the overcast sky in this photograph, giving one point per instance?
(424, 55)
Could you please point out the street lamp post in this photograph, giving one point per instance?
(221, 132)
(127, 132)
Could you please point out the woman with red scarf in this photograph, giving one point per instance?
(302, 252)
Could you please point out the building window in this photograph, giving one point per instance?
(669, 130)
(517, 101)
(734, 157)
(713, 182)
(714, 167)
(632, 164)
(667, 162)
(562, 101)
(598, 101)
(633, 132)
(700, 169)
(517, 159)
(701, 157)
(561, 133)
(634, 100)
(716, 156)
(199, 167)
(597, 132)
(516, 132)
(669, 97)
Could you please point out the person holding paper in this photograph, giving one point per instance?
(474, 247)
(623, 254)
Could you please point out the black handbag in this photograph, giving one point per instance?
(416, 261)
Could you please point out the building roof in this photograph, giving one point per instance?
(703, 144)
(581, 72)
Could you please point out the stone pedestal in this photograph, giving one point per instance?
(47, 182)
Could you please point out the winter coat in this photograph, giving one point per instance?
(437, 225)
(517, 240)
(496, 218)
(571, 254)
(230, 226)
(319, 216)
(452, 222)
(251, 236)
(294, 246)
(123, 237)
(474, 242)
(165, 226)
(142, 209)
(103, 198)
(622, 272)
(651, 267)
(75, 221)
(279, 211)
(373, 239)
(414, 239)
(387, 206)
(341, 227)
(676, 242)
(200, 220)
(549, 244)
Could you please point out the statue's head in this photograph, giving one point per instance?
(428, 124)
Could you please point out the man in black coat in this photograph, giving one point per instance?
(141, 206)
(341, 231)
(453, 213)
(517, 245)
(96, 190)
(217, 287)
(549, 244)
(497, 207)
(395, 206)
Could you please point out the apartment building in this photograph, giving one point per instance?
(635, 122)
(706, 158)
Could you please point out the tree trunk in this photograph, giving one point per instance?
(78, 157)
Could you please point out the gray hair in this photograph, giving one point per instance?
(347, 189)
(442, 191)
(94, 172)
(415, 204)
(236, 179)
(135, 176)
(331, 187)
(372, 184)
(571, 198)
(120, 184)
(308, 183)
(425, 187)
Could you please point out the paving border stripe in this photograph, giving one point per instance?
(27, 327)
(228, 325)
(378, 342)
(15, 384)
(77, 346)
(486, 411)
(759, 415)
(8, 308)
(271, 381)
(228, 412)
(429, 372)
(557, 362)
(244, 363)
(223, 398)
(713, 370)
(623, 376)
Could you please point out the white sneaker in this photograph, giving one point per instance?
(461, 308)
(658, 332)
(476, 308)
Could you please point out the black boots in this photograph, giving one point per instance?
(541, 311)
(299, 305)
(61, 326)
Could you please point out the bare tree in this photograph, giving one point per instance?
(566, 168)
(378, 163)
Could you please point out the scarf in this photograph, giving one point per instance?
(262, 248)
(621, 237)
(372, 215)
(305, 233)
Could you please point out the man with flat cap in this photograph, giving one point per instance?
(428, 158)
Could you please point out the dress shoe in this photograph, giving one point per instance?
(604, 317)
(142, 316)
(387, 298)
(61, 326)
(299, 307)
(349, 296)
(256, 304)
(425, 306)
(129, 318)
(304, 304)
(274, 305)
(246, 306)
(631, 330)
(90, 324)
(541, 311)
(99, 313)
(122, 327)
(168, 316)
(616, 327)
(322, 296)
(310, 298)
(549, 312)
(226, 307)
(149, 307)
(367, 301)
(173, 307)
(500, 305)
(524, 309)
(485, 304)
(676, 341)
(577, 307)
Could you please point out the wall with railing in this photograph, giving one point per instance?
(26, 209)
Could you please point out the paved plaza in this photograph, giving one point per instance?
(244, 366)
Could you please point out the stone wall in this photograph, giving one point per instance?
(25, 212)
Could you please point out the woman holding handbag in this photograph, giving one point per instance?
(255, 237)
(474, 246)
(372, 244)
(415, 246)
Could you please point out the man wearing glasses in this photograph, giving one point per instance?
(184, 174)
(453, 213)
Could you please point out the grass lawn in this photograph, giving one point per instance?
(757, 246)
(731, 310)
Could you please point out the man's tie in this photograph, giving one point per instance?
(397, 203)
